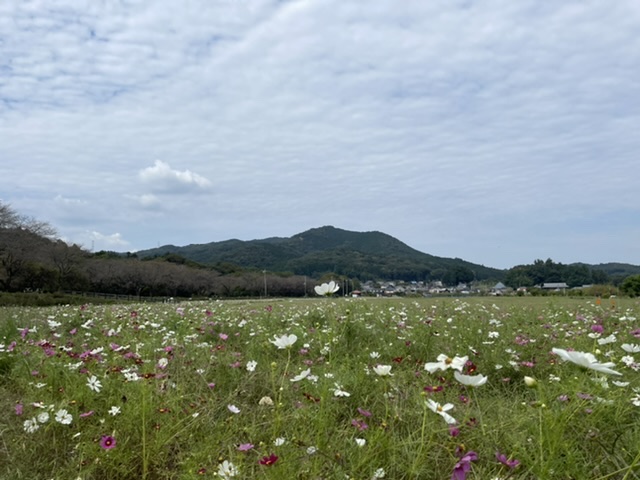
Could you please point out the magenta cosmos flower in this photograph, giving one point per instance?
(107, 442)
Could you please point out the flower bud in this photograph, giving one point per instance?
(530, 382)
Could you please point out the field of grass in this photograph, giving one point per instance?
(328, 388)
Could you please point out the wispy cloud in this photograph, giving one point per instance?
(455, 126)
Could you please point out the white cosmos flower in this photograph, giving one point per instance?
(383, 370)
(43, 417)
(444, 363)
(113, 411)
(361, 442)
(470, 380)
(233, 409)
(285, 341)
(251, 365)
(94, 384)
(442, 410)
(227, 470)
(327, 289)
(630, 347)
(586, 360)
(302, 375)
(339, 392)
(63, 417)
(610, 339)
(31, 425)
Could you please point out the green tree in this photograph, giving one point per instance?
(631, 286)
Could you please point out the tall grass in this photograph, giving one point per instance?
(201, 389)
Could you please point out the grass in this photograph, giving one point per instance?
(172, 375)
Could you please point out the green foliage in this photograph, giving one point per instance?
(361, 255)
(548, 271)
(172, 371)
(631, 286)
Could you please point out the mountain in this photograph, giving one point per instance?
(363, 255)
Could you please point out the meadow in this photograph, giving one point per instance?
(325, 388)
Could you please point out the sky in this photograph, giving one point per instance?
(496, 131)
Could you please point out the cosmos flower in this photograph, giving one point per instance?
(503, 459)
(63, 417)
(586, 360)
(107, 442)
(470, 380)
(270, 460)
(444, 363)
(251, 365)
(327, 289)
(285, 341)
(94, 384)
(302, 375)
(463, 466)
(227, 470)
(383, 370)
(442, 410)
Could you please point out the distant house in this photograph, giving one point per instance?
(499, 289)
(556, 286)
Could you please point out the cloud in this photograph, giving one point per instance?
(112, 241)
(453, 125)
(162, 178)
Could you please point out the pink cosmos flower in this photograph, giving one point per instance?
(463, 466)
(107, 442)
(502, 458)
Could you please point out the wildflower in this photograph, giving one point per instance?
(610, 339)
(31, 425)
(266, 401)
(86, 414)
(463, 466)
(359, 424)
(94, 384)
(107, 442)
(470, 380)
(361, 442)
(19, 407)
(374, 355)
(311, 450)
(285, 341)
(530, 382)
(441, 410)
(302, 375)
(339, 392)
(227, 470)
(63, 417)
(162, 363)
(586, 360)
(363, 412)
(502, 458)
(243, 447)
(270, 460)
(233, 409)
(383, 370)
(279, 441)
(444, 363)
(113, 411)
(379, 473)
(630, 347)
(327, 289)
(251, 365)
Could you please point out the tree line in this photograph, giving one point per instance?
(32, 259)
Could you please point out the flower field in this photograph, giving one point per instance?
(328, 388)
